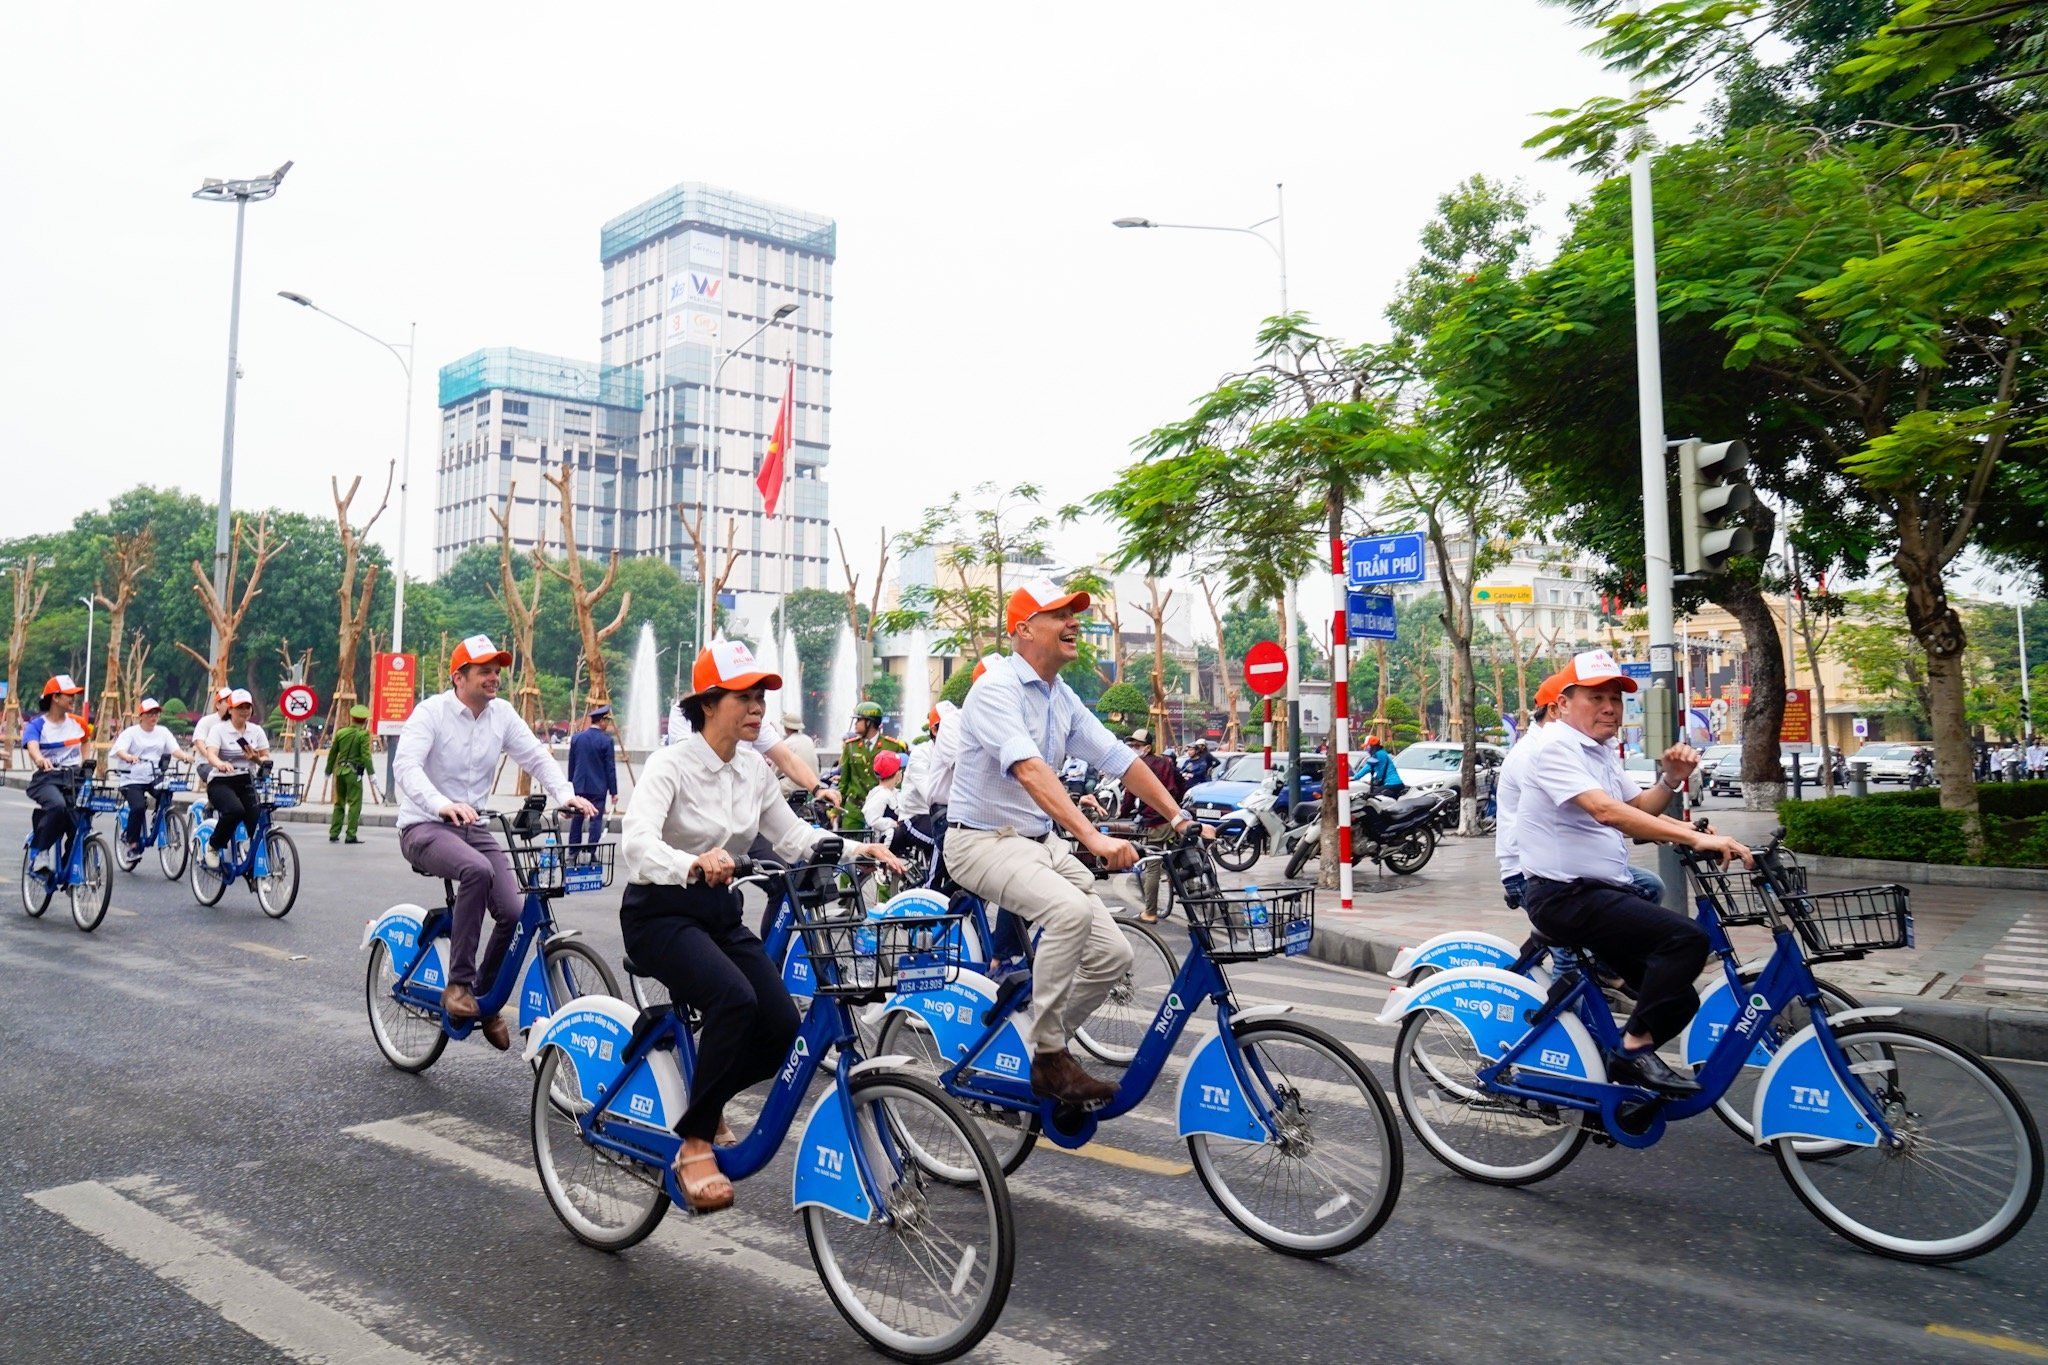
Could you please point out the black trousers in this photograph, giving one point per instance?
(234, 803)
(137, 795)
(53, 793)
(690, 939)
(1657, 951)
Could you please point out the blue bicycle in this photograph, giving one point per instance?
(265, 857)
(1906, 1145)
(170, 829)
(83, 868)
(1290, 1134)
(548, 965)
(903, 1204)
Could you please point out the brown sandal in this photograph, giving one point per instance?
(725, 1136)
(709, 1193)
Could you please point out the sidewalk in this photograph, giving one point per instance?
(1977, 973)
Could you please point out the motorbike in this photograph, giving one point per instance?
(1396, 832)
(1246, 834)
(1922, 774)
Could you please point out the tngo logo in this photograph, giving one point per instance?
(1750, 1015)
(1169, 1014)
(796, 1057)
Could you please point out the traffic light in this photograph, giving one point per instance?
(1713, 495)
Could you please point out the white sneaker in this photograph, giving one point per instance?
(211, 858)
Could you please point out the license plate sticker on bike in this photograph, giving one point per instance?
(919, 972)
(583, 879)
(1294, 938)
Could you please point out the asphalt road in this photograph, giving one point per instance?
(199, 1142)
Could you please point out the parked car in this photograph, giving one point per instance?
(1246, 773)
(1887, 762)
(1434, 763)
(1714, 755)
(1641, 770)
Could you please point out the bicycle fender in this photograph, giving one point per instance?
(797, 977)
(1491, 1005)
(1211, 1100)
(399, 927)
(919, 901)
(1473, 949)
(1802, 1096)
(594, 1031)
(827, 1176)
(954, 1015)
(1706, 1028)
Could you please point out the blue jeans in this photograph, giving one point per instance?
(1649, 885)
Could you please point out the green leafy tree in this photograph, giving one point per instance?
(815, 616)
(1123, 706)
(974, 543)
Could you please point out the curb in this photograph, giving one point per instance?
(1928, 874)
(1988, 1030)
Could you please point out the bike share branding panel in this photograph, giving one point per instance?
(955, 1012)
(826, 1175)
(593, 1032)
(1802, 1096)
(1446, 951)
(1717, 1011)
(1493, 1007)
(1211, 1100)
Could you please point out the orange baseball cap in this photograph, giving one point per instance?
(224, 694)
(1547, 690)
(61, 683)
(1591, 668)
(932, 721)
(478, 649)
(1038, 596)
(730, 665)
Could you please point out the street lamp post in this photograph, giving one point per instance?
(241, 193)
(90, 611)
(1277, 244)
(705, 605)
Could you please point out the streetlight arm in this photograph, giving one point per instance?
(1271, 245)
(404, 361)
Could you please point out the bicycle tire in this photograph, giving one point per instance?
(1739, 1101)
(1237, 854)
(1408, 866)
(208, 885)
(1310, 846)
(985, 1206)
(176, 848)
(410, 1038)
(1910, 1116)
(35, 892)
(91, 893)
(1119, 1024)
(555, 955)
(1447, 1092)
(609, 1222)
(121, 856)
(278, 904)
(1306, 1113)
(1012, 1133)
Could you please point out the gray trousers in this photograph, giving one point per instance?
(475, 861)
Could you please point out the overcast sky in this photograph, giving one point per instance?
(454, 163)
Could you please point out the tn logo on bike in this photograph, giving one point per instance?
(1215, 1097)
(830, 1162)
(1809, 1097)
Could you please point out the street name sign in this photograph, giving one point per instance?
(1373, 561)
(1369, 616)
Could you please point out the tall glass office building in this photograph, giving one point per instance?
(686, 275)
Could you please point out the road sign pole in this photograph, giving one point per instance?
(1340, 693)
(1289, 634)
(1269, 734)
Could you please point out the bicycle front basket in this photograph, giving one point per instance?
(1740, 896)
(1847, 924)
(1256, 922)
(869, 959)
(587, 867)
(98, 796)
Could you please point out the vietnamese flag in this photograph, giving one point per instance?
(769, 480)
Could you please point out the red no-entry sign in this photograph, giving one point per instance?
(1265, 668)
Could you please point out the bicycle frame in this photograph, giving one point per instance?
(1786, 978)
(536, 922)
(70, 869)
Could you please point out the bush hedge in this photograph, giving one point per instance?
(1912, 827)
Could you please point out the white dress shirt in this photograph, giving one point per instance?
(945, 761)
(689, 801)
(226, 742)
(1012, 715)
(915, 798)
(150, 747)
(448, 755)
(1507, 796)
(881, 809)
(1556, 839)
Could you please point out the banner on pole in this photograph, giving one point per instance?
(394, 683)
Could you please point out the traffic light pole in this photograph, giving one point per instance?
(1660, 712)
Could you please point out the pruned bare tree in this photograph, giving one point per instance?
(355, 604)
(28, 604)
(582, 600)
(131, 557)
(1156, 613)
(1232, 729)
(693, 526)
(225, 614)
(863, 631)
(521, 607)
(135, 674)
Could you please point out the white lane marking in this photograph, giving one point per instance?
(406, 1136)
(267, 950)
(254, 1300)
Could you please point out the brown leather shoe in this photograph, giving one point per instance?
(459, 1002)
(497, 1032)
(1056, 1075)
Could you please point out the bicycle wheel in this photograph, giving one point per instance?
(1736, 1107)
(127, 861)
(409, 1037)
(208, 885)
(1966, 1173)
(929, 1283)
(1305, 850)
(1328, 1179)
(1240, 849)
(95, 885)
(35, 892)
(1490, 1138)
(277, 892)
(573, 968)
(172, 853)
(1414, 853)
(608, 1202)
(647, 992)
(1011, 1133)
(1119, 1024)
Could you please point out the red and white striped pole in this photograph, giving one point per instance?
(1269, 734)
(1340, 693)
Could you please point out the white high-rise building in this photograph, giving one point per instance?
(687, 274)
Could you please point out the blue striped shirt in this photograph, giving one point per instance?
(1011, 715)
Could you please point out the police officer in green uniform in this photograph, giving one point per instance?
(857, 762)
(348, 758)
